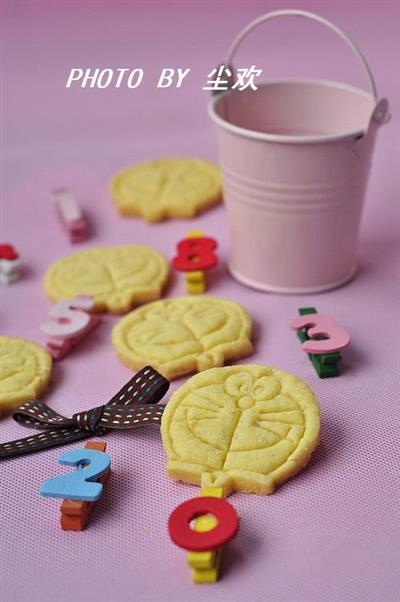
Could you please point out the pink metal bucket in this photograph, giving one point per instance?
(295, 157)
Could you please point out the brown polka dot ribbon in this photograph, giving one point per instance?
(129, 408)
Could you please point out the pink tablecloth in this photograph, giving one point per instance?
(330, 534)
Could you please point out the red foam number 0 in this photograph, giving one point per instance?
(198, 541)
(195, 254)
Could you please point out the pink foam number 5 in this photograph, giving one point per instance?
(320, 325)
(68, 317)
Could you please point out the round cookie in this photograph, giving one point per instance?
(25, 370)
(167, 188)
(243, 428)
(117, 277)
(183, 335)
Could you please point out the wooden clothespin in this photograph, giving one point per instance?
(321, 339)
(75, 513)
(69, 323)
(71, 214)
(205, 565)
(10, 264)
(195, 255)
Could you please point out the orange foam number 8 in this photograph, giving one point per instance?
(195, 254)
(319, 325)
(80, 484)
(68, 317)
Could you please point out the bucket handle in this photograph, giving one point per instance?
(380, 113)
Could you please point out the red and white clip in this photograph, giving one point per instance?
(9, 264)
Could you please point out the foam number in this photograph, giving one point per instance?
(195, 254)
(9, 264)
(79, 485)
(319, 325)
(8, 252)
(69, 317)
(200, 541)
(71, 214)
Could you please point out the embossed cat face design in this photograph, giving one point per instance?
(245, 428)
(183, 335)
(117, 277)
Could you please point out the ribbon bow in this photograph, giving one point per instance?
(129, 408)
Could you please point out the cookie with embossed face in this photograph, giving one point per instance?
(167, 188)
(116, 277)
(243, 428)
(25, 370)
(183, 335)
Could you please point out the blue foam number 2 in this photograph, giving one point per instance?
(80, 484)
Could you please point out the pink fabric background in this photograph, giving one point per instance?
(330, 534)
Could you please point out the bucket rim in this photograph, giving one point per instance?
(281, 138)
(291, 290)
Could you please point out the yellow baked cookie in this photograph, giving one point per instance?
(183, 335)
(156, 190)
(25, 370)
(243, 428)
(117, 277)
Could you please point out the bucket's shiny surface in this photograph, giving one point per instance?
(294, 174)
